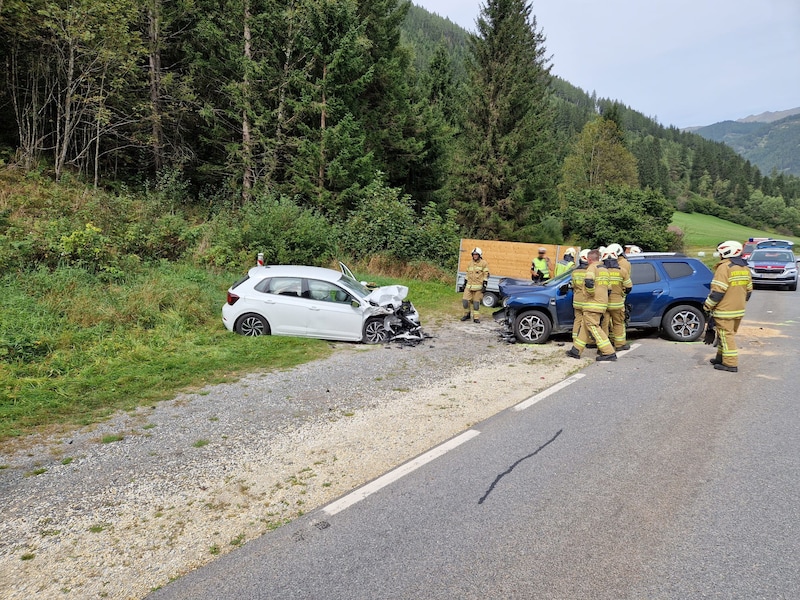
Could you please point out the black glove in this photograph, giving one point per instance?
(483, 286)
(711, 334)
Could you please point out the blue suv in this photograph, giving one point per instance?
(668, 294)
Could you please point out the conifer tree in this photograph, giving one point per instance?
(506, 172)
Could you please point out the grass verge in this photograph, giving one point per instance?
(75, 348)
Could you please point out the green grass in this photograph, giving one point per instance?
(702, 233)
(74, 349)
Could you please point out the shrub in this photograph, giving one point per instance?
(282, 230)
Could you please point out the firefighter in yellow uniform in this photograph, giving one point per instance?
(567, 263)
(730, 290)
(620, 285)
(477, 278)
(579, 292)
(596, 284)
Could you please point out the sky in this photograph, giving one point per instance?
(681, 62)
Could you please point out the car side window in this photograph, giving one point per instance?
(643, 273)
(326, 291)
(284, 286)
(676, 270)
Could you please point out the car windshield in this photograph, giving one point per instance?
(356, 288)
(558, 280)
(772, 256)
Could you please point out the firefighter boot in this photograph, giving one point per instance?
(717, 360)
(465, 317)
(721, 367)
(573, 353)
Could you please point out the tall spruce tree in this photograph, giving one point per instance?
(506, 172)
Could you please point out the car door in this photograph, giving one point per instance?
(648, 294)
(330, 313)
(283, 305)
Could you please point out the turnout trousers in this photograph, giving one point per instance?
(591, 328)
(727, 350)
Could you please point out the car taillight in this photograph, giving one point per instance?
(232, 298)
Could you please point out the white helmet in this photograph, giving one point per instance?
(615, 248)
(477, 251)
(584, 254)
(608, 253)
(632, 249)
(729, 249)
(570, 251)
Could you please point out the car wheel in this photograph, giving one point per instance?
(251, 324)
(374, 331)
(490, 300)
(532, 327)
(683, 323)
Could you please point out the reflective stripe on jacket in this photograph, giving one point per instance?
(730, 289)
(477, 273)
(596, 288)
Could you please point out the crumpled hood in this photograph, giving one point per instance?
(388, 295)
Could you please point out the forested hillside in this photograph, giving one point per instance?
(772, 146)
(211, 130)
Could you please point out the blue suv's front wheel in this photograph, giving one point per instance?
(532, 327)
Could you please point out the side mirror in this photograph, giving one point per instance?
(563, 289)
(355, 303)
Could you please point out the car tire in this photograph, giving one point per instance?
(252, 325)
(374, 331)
(532, 327)
(683, 323)
(490, 300)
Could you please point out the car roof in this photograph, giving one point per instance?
(654, 255)
(774, 244)
(295, 271)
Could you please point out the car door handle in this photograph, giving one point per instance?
(657, 292)
(314, 308)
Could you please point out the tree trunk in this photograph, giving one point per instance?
(154, 39)
(248, 176)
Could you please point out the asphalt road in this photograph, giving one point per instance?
(652, 477)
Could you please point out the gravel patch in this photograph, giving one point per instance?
(195, 477)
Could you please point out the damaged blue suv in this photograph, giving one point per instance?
(668, 294)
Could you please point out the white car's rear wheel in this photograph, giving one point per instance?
(251, 324)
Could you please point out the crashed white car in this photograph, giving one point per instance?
(318, 303)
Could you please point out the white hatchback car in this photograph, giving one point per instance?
(318, 303)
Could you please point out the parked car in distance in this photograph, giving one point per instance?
(318, 303)
(760, 242)
(668, 294)
(773, 267)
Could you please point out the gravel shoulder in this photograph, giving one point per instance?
(200, 475)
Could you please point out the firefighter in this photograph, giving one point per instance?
(730, 290)
(621, 258)
(620, 285)
(475, 286)
(596, 284)
(567, 263)
(579, 293)
(541, 267)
